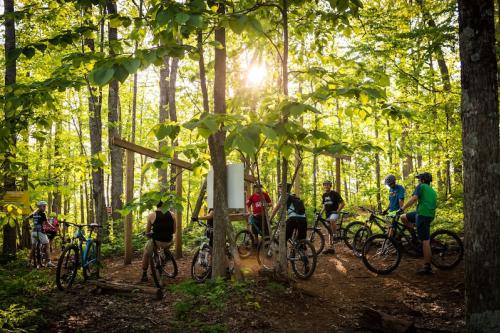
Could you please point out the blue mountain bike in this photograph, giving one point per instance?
(76, 255)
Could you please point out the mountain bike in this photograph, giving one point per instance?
(162, 263)
(245, 239)
(366, 230)
(316, 236)
(201, 265)
(76, 255)
(382, 252)
(301, 254)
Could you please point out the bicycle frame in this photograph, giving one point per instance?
(80, 236)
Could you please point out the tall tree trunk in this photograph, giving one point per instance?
(98, 206)
(203, 76)
(9, 233)
(282, 263)
(127, 226)
(480, 138)
(172, 110)
(163, 113)
(218, 156)
(377, 168)
(114, 130)
(57, 199)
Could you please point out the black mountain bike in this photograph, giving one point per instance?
(316, 235)
(201, 265)
(38, 252)
(301, 254)
(382, 252)
(374, 222)
(245, 239)
(163, 265)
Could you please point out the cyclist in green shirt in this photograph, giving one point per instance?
(426, 197)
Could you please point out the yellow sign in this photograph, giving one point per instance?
(20, 199)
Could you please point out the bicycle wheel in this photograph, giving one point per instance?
(244, 243)
(359, 240)
(67, 266)
(163, 266)
(201, 266)
(316, 237)
(447, 249)
(91, 264)
(381, 254)
(409, 242)
(303, 259)
(350, 231)
(265, 253)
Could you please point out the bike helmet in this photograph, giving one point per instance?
(42, 203)
(327, 182)
(390, 180)
(425, 177)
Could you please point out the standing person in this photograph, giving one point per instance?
(296, 213)
(160, 229)
(51, 228)
(259, 201)
(37, 233)
(426, 197)
(332, 204)
(396, 194)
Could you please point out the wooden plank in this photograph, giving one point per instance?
(157, 155)
(123, 287)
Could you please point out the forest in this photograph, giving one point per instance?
(249, 166)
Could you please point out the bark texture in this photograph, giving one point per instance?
(481, 161)
(114, 130)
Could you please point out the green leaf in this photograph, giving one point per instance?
(357, 3)
(121, 73)
(196, 21)
(164, 130)
(238, 23)
(216, 44)
(255, 24)
(132, 65)
(182, 18)
(29, 52)
(101, 75)
(162, 17)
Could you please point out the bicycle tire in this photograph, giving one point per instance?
(265, 255)
(245, 242)
(303, 252)
(206, 271)
(70, 262)
(438, 250)
(316, 237)
(92, 263)
(389, 248)
(350, 231)
(359, 240)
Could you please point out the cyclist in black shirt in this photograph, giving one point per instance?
(332, 204)
(160, 228)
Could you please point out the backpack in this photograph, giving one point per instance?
(298, 204)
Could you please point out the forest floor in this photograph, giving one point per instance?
(331, 301)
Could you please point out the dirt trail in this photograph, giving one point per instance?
(331, 301)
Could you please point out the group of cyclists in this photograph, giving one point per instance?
(161, 224)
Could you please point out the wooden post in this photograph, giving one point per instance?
(337, 174)
(127, 226)
(178, 225)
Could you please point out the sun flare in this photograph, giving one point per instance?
(256, 75)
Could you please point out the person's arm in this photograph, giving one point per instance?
(175, 221)
(249, 202)
(413, 199)
(341, 202)
(149, 223)
(268, 199)
(207, 217)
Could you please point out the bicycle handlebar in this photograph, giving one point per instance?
(80, 226)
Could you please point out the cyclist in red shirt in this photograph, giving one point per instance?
(259, 201)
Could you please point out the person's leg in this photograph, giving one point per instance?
(148, 249)
(409, 219)
(34, 238)
(44, 240)
(423, 224)
(302, 229)
(290, 227)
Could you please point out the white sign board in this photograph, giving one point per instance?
(235, 186)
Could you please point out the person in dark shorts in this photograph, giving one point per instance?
(160, 228)
(332, 204)
(296, 217)
(426, 197)
(51, 228)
